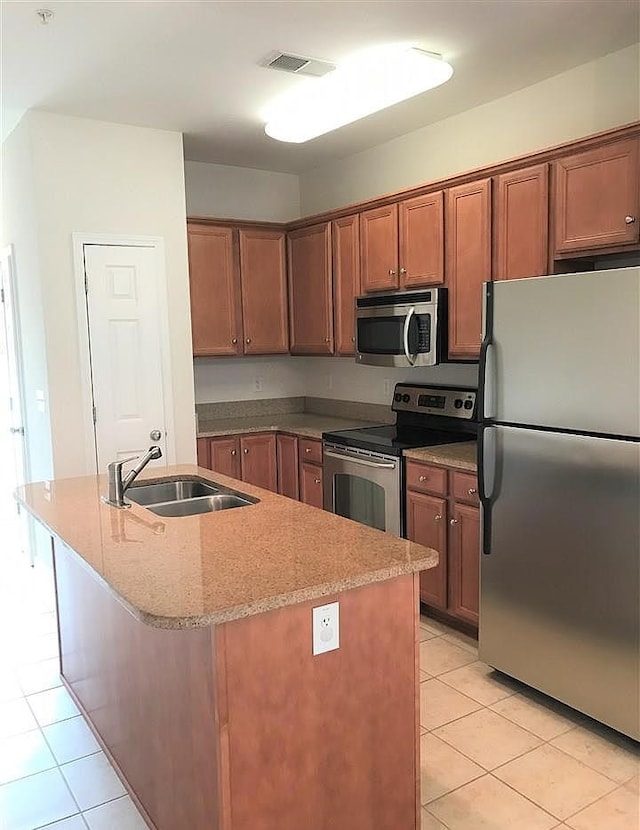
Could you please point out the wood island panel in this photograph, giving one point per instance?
(325, 742)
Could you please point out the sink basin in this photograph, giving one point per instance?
(186, 497)
(163, 491)
(203, 504)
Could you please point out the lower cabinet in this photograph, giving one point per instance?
(443, 513)
(279, 462)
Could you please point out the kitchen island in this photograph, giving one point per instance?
(187, 643)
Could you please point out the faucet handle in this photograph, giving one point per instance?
(117, 465)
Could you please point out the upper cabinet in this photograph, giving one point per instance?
(402, 244)
(345, 235)
(238, 290)
(214, 288)
(310, 292)
(597, 198)
(263, 275)
(468, 257)
(521, 219)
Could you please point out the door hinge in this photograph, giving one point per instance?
(1, 295)
(94, 414)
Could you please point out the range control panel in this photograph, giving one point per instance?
(435, 400)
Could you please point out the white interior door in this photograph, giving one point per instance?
(125, 319)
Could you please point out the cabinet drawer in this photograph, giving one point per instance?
(310, 450)
(427, 479)
(464, 487)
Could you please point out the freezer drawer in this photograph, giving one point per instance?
(560, 586)
(564, 352)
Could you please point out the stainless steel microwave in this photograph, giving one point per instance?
(404, 329)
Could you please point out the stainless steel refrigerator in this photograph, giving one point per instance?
(559, 456)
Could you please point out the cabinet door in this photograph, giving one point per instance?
(311, 484)
(422, 240)
(225, 456)
(521, 223)
(597, 201)
(258, 454)
(310, 293)
(263, 276)
(427, 525)
(287, 458)
(379, 248)
(203, 454)
(345, 234)
(214, 291)
(468, 249)
(464, 562)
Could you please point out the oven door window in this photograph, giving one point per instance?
(359, 499)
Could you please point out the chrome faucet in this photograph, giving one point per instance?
(119, 485)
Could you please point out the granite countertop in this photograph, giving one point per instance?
(305, 424)
(215, 567)
(459, 456)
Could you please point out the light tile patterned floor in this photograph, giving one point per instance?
(495, 755)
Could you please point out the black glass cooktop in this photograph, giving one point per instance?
(391, 439)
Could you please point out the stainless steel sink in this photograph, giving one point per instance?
(204, 504)
(163, 491)
(186, 496)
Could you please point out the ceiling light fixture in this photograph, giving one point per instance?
(362, 85)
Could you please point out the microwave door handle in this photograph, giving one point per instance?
(407, 323)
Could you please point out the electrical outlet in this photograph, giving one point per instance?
(326, 628)
(258, 383)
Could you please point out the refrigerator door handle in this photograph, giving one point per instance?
(486, 376)
(487, 456)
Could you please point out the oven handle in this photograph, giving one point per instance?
(407, 323)
(387, 465)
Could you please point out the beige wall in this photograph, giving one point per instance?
(241, 193)
(96, 177)
(595, 96)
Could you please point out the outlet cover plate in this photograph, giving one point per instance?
(326, 628)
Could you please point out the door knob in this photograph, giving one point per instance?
(629, 219)
(155, 435)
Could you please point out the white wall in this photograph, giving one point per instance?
(241, 193)
(596, 96)
(236, 379)
(96, 177)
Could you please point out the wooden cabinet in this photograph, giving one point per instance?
(224, 456)
(238, 290)
(310, 466)
(263, 276)
(215, 299)
(203, 453)
(310, 291)
(443, 513)
(521, 211)
(468, 257)
(597, 198)
(287, 461)
(402, 244)
(345, 235)
(258, 460)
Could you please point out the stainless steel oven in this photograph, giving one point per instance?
(362, 485)
(405, 329)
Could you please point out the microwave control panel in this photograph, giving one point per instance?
(435, 400)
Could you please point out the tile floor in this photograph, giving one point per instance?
(495, 755)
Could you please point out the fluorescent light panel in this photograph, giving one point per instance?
(367, 83)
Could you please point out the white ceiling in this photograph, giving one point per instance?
(194, 66)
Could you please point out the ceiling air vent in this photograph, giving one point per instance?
(297, 64)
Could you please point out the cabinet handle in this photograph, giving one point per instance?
(233, 452)
(403, 270)
(307, 449)
(248, 340)
(453, 522)
(326, 339)
(472, 491)
(422, 478)
(437, 517)
(316, 481)
(353, 339)
(629, 219)
(245, 451)
(234, 341)
(392, 273)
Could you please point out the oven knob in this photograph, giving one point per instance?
(397, 397)
(468, 404)
(458, 403)
(405, 398)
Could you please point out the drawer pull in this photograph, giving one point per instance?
(472, 491)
